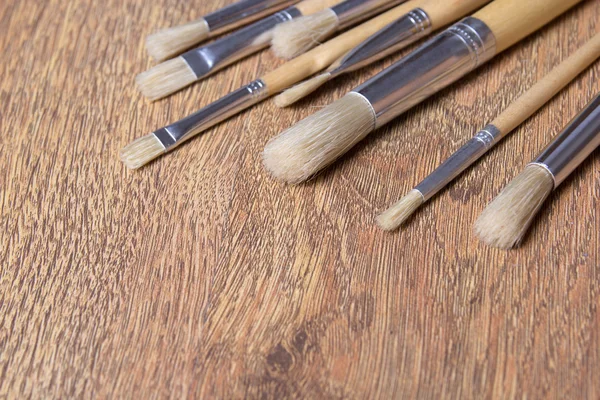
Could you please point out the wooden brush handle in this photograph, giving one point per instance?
(445, 12)
(324, 55)
(308, 7)
(548, 86)
(512, 20)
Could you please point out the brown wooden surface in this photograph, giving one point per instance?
(200, 276)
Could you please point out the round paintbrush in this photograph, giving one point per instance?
(505, 220)
(295, 37)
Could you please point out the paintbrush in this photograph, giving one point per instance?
(505, 220)
(177, 73)
(394, 37)
(170, 42)
(146, 148)
(518, 111)
(304, 149)
(302, 34)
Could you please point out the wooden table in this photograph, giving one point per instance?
(200, 276)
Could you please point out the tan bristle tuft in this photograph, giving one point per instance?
(315, 142)
(141, 151)
(397, 214)
(171, 42)
(293, 38)
(165, 78)
(505, 220)
(301, 90)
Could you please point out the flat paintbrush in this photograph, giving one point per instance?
(179, 72)
(394, 37)
(293, 38)
(170, 42)
(506, 219)
(144, 149)
(317, 141)
(518, 111)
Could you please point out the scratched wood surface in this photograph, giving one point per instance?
(199, 276)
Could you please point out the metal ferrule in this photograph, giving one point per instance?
(242, 12)
(182, 130)
(574, 144)
(394, 37)
(351, 11)
(459, 161)
(435, 65)
(214, 56)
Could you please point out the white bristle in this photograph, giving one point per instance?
(170, 42)
(165, 78)
(293, 38)
(315, 142)
(505, 220)
(301, 90)
(395, 216)
(141, 151)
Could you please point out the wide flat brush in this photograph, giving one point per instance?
(175, 74)
(145, 149)
(394, 37)
(505, 220)
(309, 146)
(295, 37)
(515, 114)
(170, 42)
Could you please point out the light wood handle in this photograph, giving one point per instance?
(548, 86)
(442, 13)
(512, 20)
(308, 7)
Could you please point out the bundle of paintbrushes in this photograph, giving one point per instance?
(170, 42)
(520, 110)
(506, 219)
(314, 143)
(440, 13)
(193, 65)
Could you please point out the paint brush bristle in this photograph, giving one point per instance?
(505, 220)
(397, 214)
(301, 90)
(315, 142)
(170, 42)
(165, 78)
(293, 38)
(141, 151)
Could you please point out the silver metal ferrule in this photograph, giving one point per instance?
(394, 37)
(574, 144)
(352, 11)
(242, 12)
(459, 161)
(182, 130)
(438, 63)
(208, 59)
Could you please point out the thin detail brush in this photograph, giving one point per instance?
(505, 220)
(170, 42)
(295, 37)
(514, 115)
(175, 74)
(443, 60)
(145, 149)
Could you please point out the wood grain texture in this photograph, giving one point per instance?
(199, 276)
